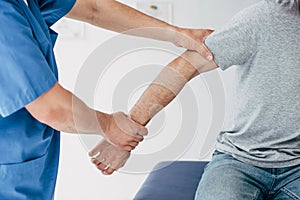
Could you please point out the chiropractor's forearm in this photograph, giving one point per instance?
(63, 111)
(168, 84)
(115, 16)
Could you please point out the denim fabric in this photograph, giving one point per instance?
(226, 178)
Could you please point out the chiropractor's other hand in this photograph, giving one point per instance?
(123, 132)
(108, 158)
(192, 39)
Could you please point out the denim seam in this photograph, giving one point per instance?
(272, 185)
(290, 194)
(256, 195)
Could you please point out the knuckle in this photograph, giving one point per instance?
(121, 144)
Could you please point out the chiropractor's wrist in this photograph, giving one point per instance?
(103, 122)
(191, 39)
(175, 35)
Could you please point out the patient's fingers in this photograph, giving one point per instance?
(139, 139)
(102, 166)
(109, 171)
(95, 154)
(143, 131)
(95, 161)
(133, 144)
(106, 169)
(108, 158)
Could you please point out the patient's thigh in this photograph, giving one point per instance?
(288, 187)
(226, 178)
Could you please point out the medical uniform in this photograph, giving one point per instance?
(29, 150)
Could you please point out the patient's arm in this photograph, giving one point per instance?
(159, 94)
(168, 84)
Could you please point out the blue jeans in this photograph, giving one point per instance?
(226, 178)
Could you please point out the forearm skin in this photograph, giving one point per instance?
(168, 84)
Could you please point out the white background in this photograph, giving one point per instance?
(77, 178)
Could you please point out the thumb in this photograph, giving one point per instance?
(202, 48)
(205, 52)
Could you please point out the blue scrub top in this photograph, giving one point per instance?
(29, 150)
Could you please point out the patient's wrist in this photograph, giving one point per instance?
(139, 115)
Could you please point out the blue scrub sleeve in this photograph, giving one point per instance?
(24, 71)
(53, 10)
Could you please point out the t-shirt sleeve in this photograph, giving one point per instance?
(235, 43)
(24, 71)
(53, 10)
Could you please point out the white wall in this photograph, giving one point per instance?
(78, 179)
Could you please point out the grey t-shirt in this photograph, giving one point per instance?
(264, 42)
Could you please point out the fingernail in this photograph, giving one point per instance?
(209, 57)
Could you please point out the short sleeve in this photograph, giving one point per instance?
(24, 71)
(236, 43)
(53, 10)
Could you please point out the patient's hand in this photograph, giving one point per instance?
(108, 158)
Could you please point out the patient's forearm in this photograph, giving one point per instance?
(168, 84)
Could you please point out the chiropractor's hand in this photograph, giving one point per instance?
(108, 158)
(192, 39)
(123, 132)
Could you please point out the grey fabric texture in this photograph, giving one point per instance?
(263, 42)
